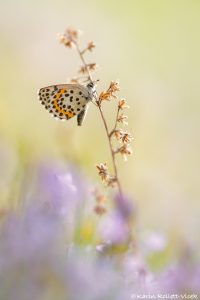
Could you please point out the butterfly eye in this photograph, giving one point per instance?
(90, 85)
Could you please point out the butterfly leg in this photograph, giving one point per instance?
(81, 116)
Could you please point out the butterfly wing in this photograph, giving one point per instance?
(64, 101)
(81, 116)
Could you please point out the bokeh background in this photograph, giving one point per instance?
(152, 48)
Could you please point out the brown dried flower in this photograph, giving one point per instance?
(122, 119)
(104, 96)
(126, 138)
(69, 37)
(100, 198)
(125, 150)
(103, 171)
(72, 33)
(118, 133)
(114, 87)
(110, 93)
(83, 70)
(91, 46)
(91, 67)
(112, 181)
(122, 104)
(105, 176)
(123, 136)
(99, 210)
(66, 42)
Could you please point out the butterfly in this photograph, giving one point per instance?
(65, 101)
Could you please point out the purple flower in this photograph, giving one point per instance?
(64, 189)
(114, 229)
(41, 258)
(90, 277)
(154, 242)
(137, 275)
(36, 262)
(125, 206)
(31, 247)
(182, 278)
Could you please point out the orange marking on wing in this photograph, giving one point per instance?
(60, 110)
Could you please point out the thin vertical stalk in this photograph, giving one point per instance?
(103, 119)
(111, 150)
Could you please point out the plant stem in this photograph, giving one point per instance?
(82, 59)
(111, 150)
(103, 119)
(115, 126)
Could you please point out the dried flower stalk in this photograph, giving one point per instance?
(70, 39)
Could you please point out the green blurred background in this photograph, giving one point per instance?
(153, 48)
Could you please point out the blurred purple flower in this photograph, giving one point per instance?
(91, 278)
(154, 242)
(62, 188)
(114, 229)
(40, 259)
(136, 274)
(35, 262)
(125, 206)
(182, 278)
(30, 249)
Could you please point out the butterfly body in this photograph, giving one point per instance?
(65, 101)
